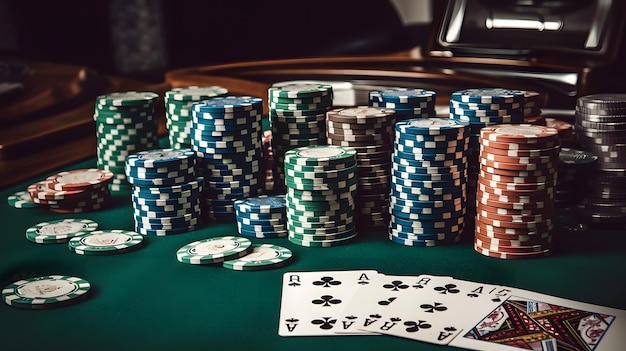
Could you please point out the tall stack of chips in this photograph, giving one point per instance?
(125, 124)
(516, 186)
(297, 116)
(575, 172)
(427, 200)
(178, 103)
(321, 185)
(166, 191)
(481, 108)
(406, 102)
(601, 129)
(368, 130)
(226, 136)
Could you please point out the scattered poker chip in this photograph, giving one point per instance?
(60, 231)
(105, 242)
(46, 292)
(22, 199)
(263, 256)
(214, 250)
(79, 179)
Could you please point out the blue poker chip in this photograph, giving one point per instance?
(262, 204)
(419, 151)
(430, 126)
(148, 213)
(426, 191)
(457, 155)
(411, 232)
(427, 163)
(253, 222)
(406, 213)
(228, 104)
(161, 182)
(233, 184)
(233, 178)
(428, 170)
(488, 96)
(156, 202)
(164, 232)
(260, 216)
(432, 225)
(429, 206)
(430, 177)
(224, 130)
(440, 146)
(227, 117)
(511, 107)
(168, 158)
(442, 183)
(421, 243)
(263, 235)
(171, 227)
(488, 120)
(426, 197)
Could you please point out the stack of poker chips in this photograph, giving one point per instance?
(575, 172)
(262, 217)
(298, 118)
(166, 192)
(75, 191)
(125, 124)
(226, 136)
(601, 129)
(178, 103)
(408, 103)
(518, 174)
(368, 130)
(321, 185)
(427, 199)
(481, 108)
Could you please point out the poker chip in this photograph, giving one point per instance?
(59, 231)
(226, 137)
(407, 103)
(297, 117)
(214, 250)
(21, 199)
(166, 191)
(74, 191)
(515, 195)
(320, 199)
(261, 217)
(125, 124)
(427, 184)
(262, 257)
(46, 292)
(105, 242)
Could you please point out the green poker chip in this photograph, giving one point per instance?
(214, 250)
(60, 231)
(320, 155)
(127, 98)
(45, 292)
(21, 199)
(105, 242)
(322, 243)
(263, 256)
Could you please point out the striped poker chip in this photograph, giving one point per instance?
(126, 98)
(60, 231)
(79, 179)
(263, 256)
(105, 242)
(21, 199)
(45, 292)
(214, 250)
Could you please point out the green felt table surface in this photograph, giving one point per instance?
(148, 300)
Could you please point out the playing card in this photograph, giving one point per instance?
(533, 321)
(437, 309)
(312, 302)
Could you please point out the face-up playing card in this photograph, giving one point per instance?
(369, 303)
(533, 321)
(437, 309)
(312, 302)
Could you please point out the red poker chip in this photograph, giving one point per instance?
(513, 146)
(483, 199)
(512, 234)
(520, 153)
(513, 218)
(510, 249)
(511, 256)
(552, 159)
(517, 180)
(510, 173)
(545, 167)
(515, 186)
(537, 225)
(42, 191)
(500, 210)
(534, 194)
(80, 179)
(83, 196)
(519, 133)
(537, 118)
(512, 241)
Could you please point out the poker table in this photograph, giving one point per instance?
(147, 299)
